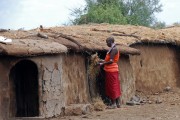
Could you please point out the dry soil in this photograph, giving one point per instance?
(159, 106)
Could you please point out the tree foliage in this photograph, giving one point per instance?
(141, 12)
(99, 12)
(135, 12)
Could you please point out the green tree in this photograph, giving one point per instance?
(141, 12)
(135, 12)
(104, 11)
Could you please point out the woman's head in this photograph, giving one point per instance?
(109, 41)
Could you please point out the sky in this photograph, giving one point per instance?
(170, 13)
(29, 14)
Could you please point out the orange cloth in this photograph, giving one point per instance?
(114, 66)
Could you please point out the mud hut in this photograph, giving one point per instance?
(43, 72)
(158, 65)
(90, 39)
(155, 69)
(26, 71)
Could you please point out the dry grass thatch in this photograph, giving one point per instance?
(98, 104)
(92, 36)
(93, 68)
(28, 47)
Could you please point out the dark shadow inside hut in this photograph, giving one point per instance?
(178, 62)
(100, 81)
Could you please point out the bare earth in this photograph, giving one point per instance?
(160, 106)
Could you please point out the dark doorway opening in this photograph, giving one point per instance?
(100, 80)
(24, 80)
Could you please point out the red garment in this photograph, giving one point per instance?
(112, 85)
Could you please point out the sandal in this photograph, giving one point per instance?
(118, 106)
(112, 107)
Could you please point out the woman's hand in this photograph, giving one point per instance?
(101, 60)
(101, 64)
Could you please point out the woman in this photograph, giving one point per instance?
(112, 83)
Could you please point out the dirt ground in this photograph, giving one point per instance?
(159, 106)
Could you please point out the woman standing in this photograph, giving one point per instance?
(112, 83)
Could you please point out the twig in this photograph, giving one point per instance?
(129, 35)
(108, 31)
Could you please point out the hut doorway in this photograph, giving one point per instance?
(24, 84)
(100, 80)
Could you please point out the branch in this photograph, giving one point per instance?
(108, 31)
(68, 38)
(129, 35)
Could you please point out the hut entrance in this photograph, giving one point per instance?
(97, 79)
(100, 80)
(24, 80)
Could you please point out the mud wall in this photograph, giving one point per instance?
(75, 79)
(62, 81)
(4, 88)
(51, 95)
(51, 91)
(156, 68)
(127, 79)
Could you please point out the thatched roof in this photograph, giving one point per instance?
(92, 37)
(29, 47)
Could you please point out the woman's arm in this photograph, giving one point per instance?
(113, 52)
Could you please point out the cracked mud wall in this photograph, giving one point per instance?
(75, 79)
(127, 79)
(62, 81)
(156, 68)
(51, 92)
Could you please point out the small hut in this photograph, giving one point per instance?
(30, 75)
